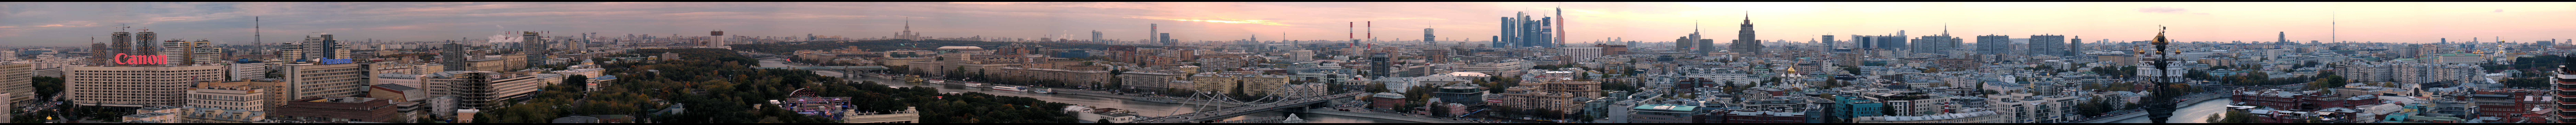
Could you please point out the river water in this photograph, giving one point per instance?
(1141, 107)
(2194, 113)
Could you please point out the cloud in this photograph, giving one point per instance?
(2499, 10)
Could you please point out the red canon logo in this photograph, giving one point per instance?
(122, 58)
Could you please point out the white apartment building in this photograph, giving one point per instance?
(230, 98)
(1503, 68)
(406, 68)
(308, 80)
(136, 85)
(247, 71)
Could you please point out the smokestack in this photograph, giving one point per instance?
(1371, 33)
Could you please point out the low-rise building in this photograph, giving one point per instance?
(1663, 113)
(154, 114)
(340, 110)
(908, 115)
(248, 98)
(1968, 117)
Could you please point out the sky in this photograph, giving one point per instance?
(74, 23)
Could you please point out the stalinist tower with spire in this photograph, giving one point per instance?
(1744, 42)
(907, 32)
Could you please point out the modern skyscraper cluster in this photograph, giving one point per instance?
(1524, 30)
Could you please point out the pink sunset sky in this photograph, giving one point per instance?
(69, 24)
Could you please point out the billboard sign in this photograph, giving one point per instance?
(122, 58)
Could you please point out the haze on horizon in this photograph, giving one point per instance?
(72, 23)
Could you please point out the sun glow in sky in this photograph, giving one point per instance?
(70, 24)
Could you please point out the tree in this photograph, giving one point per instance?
(47, 86)
(2232, 116)
(1114, 83)
(577, 80)
(1853, 70)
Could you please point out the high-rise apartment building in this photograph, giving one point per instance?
(1934, 44)
(1896, 41)
(2565, 85)
(715, 38)
(124, 43)
(137, 85)
(15, 77)
(530, 43)
(1829, 42)
(452, 55)
(1993, 44)
(200, 52)
(2050, 45)
(247, 71)
(1685, 44)
(307, 80)
(314, 48)
(290, 51)
(1095, 37)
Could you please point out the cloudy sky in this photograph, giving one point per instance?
(71, 24)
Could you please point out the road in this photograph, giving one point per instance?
(1141, 107)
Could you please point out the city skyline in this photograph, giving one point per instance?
(70, 24)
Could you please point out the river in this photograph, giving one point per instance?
(1141, 107)
(2195, 113)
